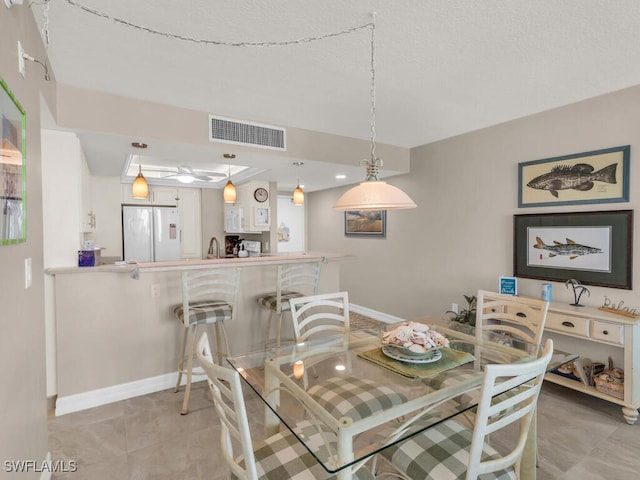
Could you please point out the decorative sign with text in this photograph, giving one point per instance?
(509, 285)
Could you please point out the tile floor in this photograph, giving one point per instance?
(145, 438)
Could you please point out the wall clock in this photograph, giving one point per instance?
(261, 194)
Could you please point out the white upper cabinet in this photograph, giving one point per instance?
(166, 196)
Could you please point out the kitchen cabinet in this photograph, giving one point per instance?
(251, 213)
(595, 334)
(165, 196)
(189, 209)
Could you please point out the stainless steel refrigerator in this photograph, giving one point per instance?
(150, 234)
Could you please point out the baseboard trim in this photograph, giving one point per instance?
(376, 315)
(115, 393)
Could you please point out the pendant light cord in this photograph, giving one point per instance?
(185, 38)
(373, 164)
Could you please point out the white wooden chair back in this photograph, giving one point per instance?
(216, 284)
(302, 278)
(229, 403)
(521, 317)
(491, 416)
(326, 314)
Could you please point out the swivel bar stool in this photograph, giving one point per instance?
(209, 297)
(293, 280)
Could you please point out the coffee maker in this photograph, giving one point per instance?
(231, 245)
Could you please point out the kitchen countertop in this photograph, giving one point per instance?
(262, 260)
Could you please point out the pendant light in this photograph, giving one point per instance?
(373, 193)
(140, 188)
(298, 194)
(229, 193)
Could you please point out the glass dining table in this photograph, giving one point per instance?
(341, 395)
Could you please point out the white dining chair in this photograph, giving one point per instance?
(209, 297)
(325, 317)
(449, 450)
(292, 281)
(501, 319)
(518, 318)
(278, 457)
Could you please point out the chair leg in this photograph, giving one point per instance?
(278, 331)
(266, 338)
(181, 362)
(223, 331)
(192, 348)
(218, 330)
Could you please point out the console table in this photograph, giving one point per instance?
(592, 333)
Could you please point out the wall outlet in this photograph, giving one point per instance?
(454, 307)
(155, 290)
(21, 67)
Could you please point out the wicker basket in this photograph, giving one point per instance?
(611, 381)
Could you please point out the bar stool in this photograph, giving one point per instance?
(293, 280)
(209, 296)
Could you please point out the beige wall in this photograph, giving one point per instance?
(90, 111)
(459, 239)
(23, 415)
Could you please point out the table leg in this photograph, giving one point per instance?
(272, 385)
(345, 454)
(528, 461)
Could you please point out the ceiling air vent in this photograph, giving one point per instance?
(239, 132)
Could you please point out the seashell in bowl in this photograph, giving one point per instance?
(413, 350)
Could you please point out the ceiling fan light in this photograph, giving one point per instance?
(374, 195)
(298, 196)
(140, 188)
(229, 193)
(185, 178)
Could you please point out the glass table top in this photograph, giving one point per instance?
(342, 395)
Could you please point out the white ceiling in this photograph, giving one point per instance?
(443, 68)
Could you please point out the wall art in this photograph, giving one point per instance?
(13, 168)
(365, 223)
(593, 247)
(600, 176)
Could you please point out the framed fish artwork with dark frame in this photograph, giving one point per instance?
(600, 176)
(365, 223)
(592, 247)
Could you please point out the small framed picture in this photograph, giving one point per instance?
(509, 285)
(365, 223)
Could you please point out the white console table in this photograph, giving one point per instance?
(592, 333)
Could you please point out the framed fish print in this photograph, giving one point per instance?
(592, 247)
(600, 176)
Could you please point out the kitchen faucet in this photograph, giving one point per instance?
(210, 253)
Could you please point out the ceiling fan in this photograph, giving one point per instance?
(187, 174)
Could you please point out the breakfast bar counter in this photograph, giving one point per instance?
(115, 332)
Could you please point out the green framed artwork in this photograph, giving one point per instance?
(13, 168)
(594, 248)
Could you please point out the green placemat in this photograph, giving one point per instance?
(450, 359)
